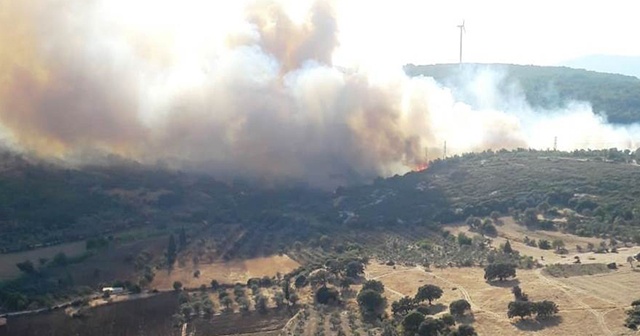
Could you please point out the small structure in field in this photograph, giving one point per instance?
(113, 290)
(3, 322)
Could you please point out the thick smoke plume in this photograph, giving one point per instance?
(258, 99)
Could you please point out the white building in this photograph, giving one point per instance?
(113, 290)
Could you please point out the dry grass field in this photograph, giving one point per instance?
(229, 272)
(590, 310)
(8, 261)
(589, 304)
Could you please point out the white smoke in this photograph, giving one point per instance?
(260, 98)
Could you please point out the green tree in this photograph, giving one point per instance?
(243, 303)
(518, 294)
(507, 248)
(429, 293)
(371, 303)
(325, 242)
(530, 217)
(374, 285)
(448, 320)
(345, 283)
(182, 238)
(286, 288)
(388, 329)
(463, 239)
(459, 307)
(545, 309)
(207, 308)
(465, 330)
(297, 246)
(354, 269)
(520, 309)
(489, 229)
(543, 207)
(227, 302)
(171, 251)
(320, 277)
(26, 267)
(278, 298)
(412, 322)
(495, 216)
(544, 244)
(177, 285)
(403, 306)
(474, 223)
(499, 271)
(327, 295)
(557, 244)
(300, 281)
(261, 304)
(294, 298)
(431, 327)
(60, 259)
(186, 310)
(633, 316)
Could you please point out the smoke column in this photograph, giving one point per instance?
(250, 93)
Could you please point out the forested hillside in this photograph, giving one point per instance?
(600, 187)
(44, 204)
(616, 96)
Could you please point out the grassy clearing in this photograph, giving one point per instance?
(8, 261)
(570, 270)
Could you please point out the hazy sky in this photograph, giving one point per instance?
(395, 32)
(528, 32)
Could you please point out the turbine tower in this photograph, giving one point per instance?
(462, 31)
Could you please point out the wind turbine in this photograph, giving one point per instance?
(462, 30)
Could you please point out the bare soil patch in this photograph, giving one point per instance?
(227, 272)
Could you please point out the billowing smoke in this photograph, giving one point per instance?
(257, 98)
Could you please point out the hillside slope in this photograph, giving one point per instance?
(602, 186)
(43, 204)
(616, 96)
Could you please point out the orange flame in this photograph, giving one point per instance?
(421, 166)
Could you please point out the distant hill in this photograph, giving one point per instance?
(624, 65)
(613, 95)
